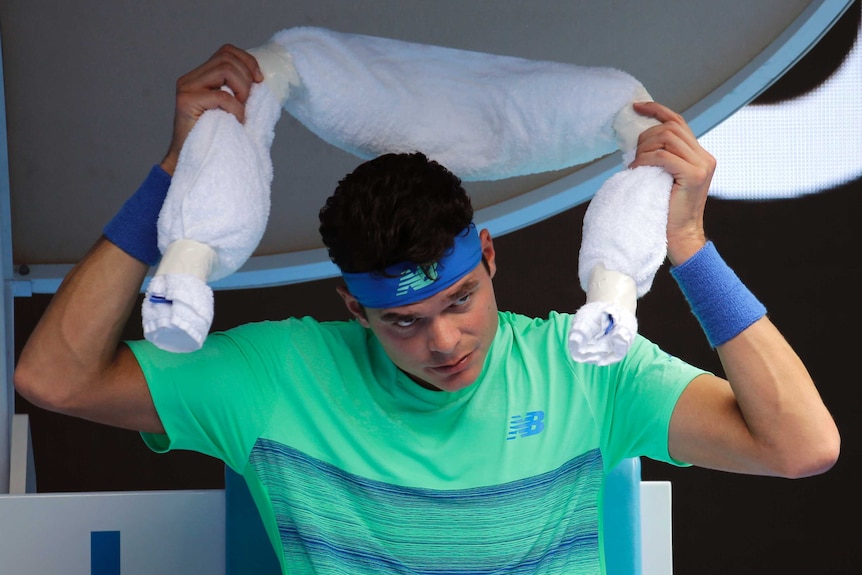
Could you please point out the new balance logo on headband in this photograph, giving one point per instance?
(405, 283)
(416, 279)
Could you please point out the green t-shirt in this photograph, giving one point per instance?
(357, 469)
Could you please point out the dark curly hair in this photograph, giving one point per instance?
(394, 208)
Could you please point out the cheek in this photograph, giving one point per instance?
(402, 350)
(490, 315)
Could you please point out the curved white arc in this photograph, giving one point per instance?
(540, 203)
(802, 146)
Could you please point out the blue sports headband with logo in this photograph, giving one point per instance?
(406, 283)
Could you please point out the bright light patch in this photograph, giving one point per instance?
(798, 147)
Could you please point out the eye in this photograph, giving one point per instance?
(462, 300)
(406, 322)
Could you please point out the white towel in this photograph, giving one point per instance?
(483, 116)
(214, 216)
(624, 243)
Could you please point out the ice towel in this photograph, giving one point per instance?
(483, 116)
(622, 247)
(213, 218)
(624, 242)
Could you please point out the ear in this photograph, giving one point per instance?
(488, 252)
(353, 306)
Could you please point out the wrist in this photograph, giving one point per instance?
(169, 163)
(681, 248)
(135, 227)
(718, 298)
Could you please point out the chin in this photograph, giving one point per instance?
(457, 383)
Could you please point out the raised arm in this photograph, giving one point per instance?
(767, 418)
(74, 361)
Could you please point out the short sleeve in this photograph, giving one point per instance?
(215, 400)
(635, 401)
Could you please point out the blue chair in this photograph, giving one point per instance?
(622, 516)
(247, 547)
(248, 551)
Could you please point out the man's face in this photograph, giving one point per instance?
(440, 342)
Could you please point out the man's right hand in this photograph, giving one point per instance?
(202, 89)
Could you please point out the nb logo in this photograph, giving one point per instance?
(416, 279)
(531, 423)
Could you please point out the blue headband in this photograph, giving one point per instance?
(406, 283)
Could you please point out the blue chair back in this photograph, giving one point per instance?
(622, 516)
(247, 547)
(249, 552)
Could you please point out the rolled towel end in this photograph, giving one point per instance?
(177, 312)
(278, 70)
(601, 333)
(628, 125)
(603, 329)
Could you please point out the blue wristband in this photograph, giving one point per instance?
(718, 298)
(134, 228)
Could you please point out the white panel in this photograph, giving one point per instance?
(22, 472)
(168, 533)
(656, 528)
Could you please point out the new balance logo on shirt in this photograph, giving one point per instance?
(416, 278)
(531, 423)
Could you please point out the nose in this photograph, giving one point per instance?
(443, 335)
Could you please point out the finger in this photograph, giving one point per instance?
(659, 146)
(673, 137)
(229, 66)
(190, 105)
(658, 111)
(248, 61)
(673, 149)
(238, 70)
(667, 137)
(693, 171)
(669, 119)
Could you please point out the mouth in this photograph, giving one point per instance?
(452, 368)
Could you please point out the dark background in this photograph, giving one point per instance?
(801, 257)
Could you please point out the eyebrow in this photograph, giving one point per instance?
(462, 291)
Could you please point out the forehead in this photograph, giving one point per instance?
(462, 287)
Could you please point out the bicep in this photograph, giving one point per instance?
(121, 398)
(707, 428)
